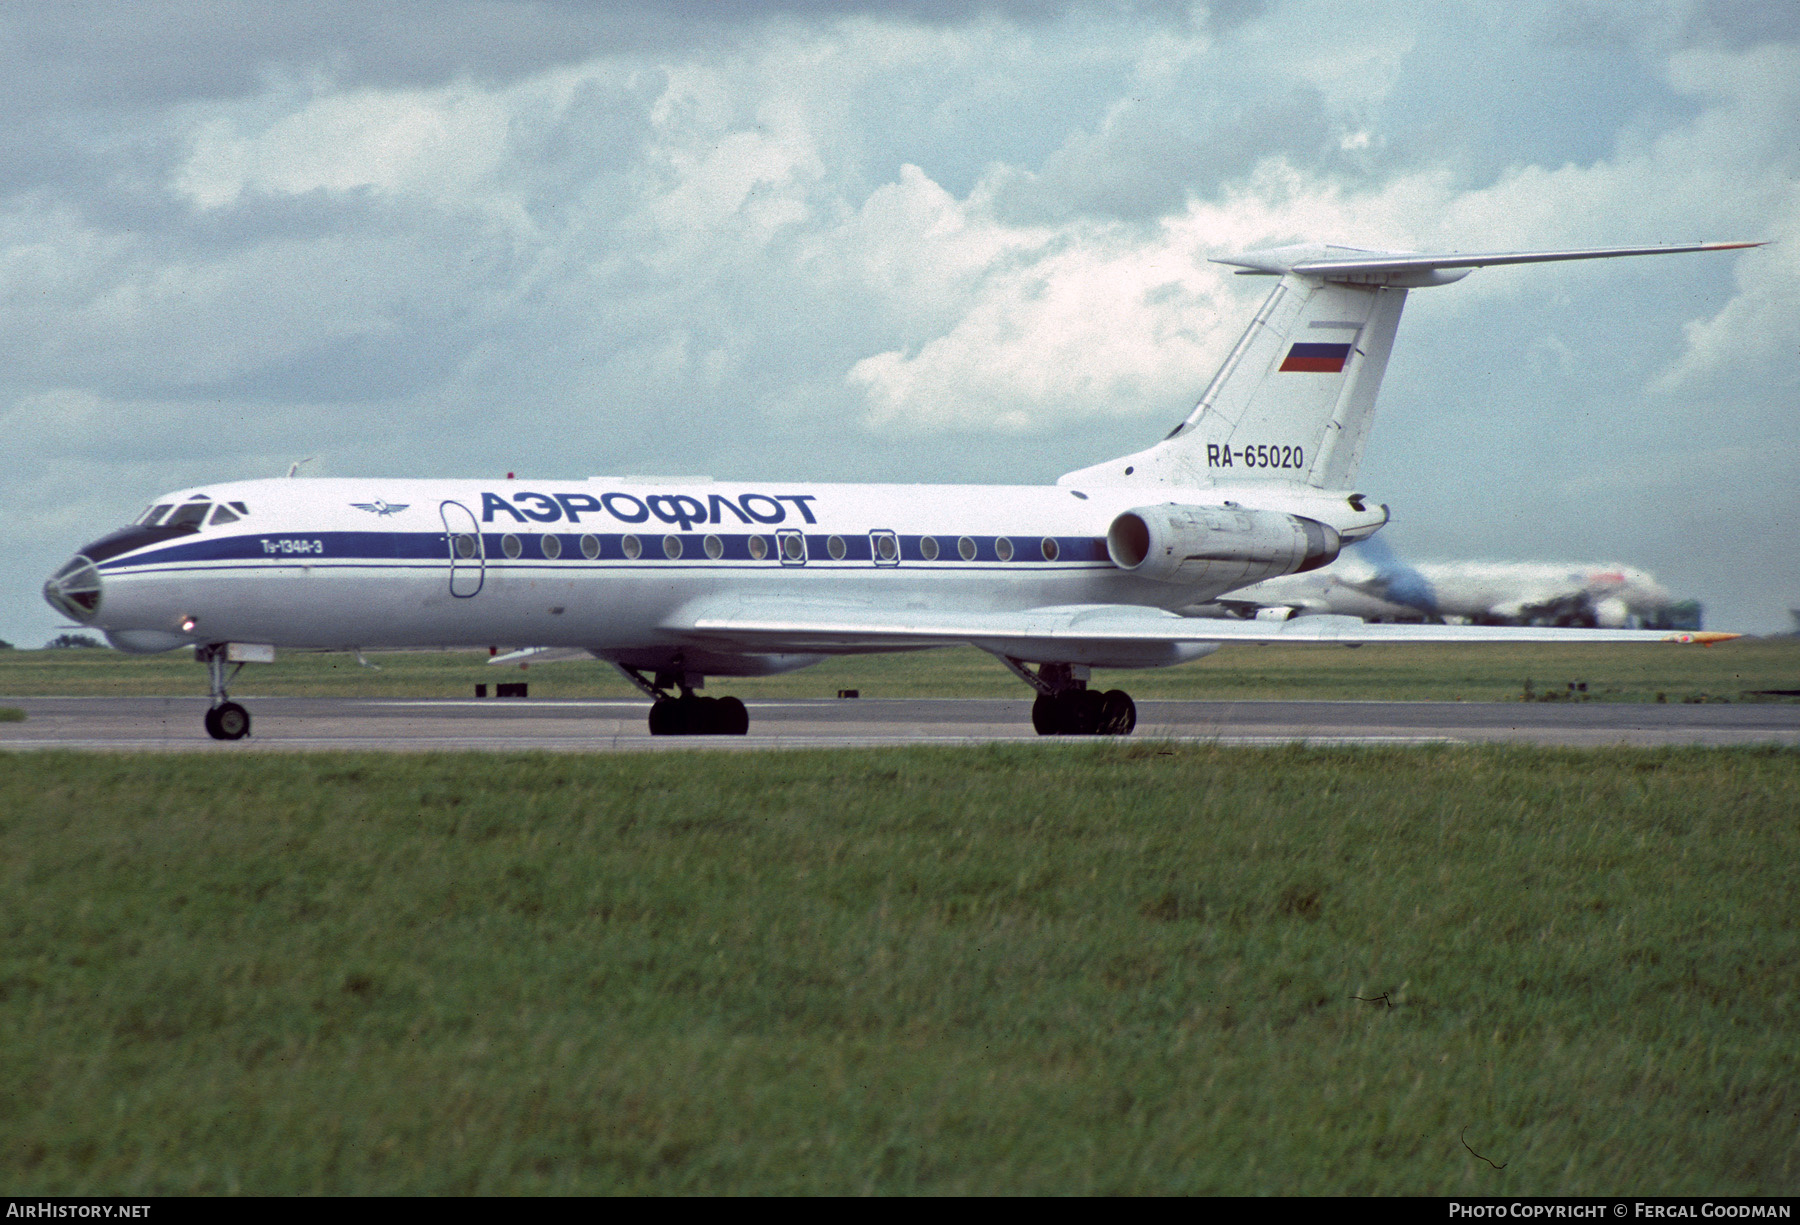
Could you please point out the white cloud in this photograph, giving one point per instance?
(710, 173)
(1756, 333)
(1055, 325)
(433, 142)
(1059, 322)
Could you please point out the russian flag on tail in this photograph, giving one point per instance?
(1317, 358)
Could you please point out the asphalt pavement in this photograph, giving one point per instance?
(398, 725)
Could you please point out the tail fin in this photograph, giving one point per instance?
(1294, 401)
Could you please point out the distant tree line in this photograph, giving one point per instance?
(66, 641)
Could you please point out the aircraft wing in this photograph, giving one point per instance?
(1044, 632)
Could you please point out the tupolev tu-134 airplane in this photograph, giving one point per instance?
(673, 580)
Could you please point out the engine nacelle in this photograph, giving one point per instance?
(1217, 546)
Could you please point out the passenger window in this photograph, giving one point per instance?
(466, 545)
(633, 550)
(928, 548)
(223, 514)
(671, 546)
(835, 547)
(552, 547)
(759, 548)
(590, 547)
(1051, 550)
(966, 548)
(509, 544)
(1003, 547)
(887, 549)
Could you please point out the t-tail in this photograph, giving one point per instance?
(1295, 398)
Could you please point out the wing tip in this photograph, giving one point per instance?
(1704, 637)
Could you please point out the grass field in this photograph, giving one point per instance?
(1102, 968)
(1727, 671)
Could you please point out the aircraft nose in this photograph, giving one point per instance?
(74, 590)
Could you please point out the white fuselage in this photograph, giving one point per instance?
(605, 564)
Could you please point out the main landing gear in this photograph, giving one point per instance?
(1065, 706)
(689, 714)
(1084, 712)
(226, 720)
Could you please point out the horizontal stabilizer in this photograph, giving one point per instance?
(1361, 267)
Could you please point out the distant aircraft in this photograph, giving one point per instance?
(674, 580)
(1370, 582)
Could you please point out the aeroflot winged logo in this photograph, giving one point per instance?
(381, 508)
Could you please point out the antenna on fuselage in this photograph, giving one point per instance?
(294, 468)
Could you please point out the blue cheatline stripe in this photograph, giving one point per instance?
(336, 548)
(590, 569)
(437, 574)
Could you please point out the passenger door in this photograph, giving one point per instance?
(468, 556)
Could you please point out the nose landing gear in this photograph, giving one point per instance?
(226, 720)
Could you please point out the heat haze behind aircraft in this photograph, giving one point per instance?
(1369, 581)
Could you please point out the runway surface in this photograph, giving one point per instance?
(511, 724)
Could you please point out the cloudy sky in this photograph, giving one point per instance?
(912, 241)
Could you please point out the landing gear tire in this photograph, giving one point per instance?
(228, 722)
(666, 718)
(688, 715)
(1118, 713)
(1084, 712)
(734, 718)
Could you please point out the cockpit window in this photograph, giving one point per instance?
(240, 508)
(191, 514)
(153, 516)
(224, 514)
